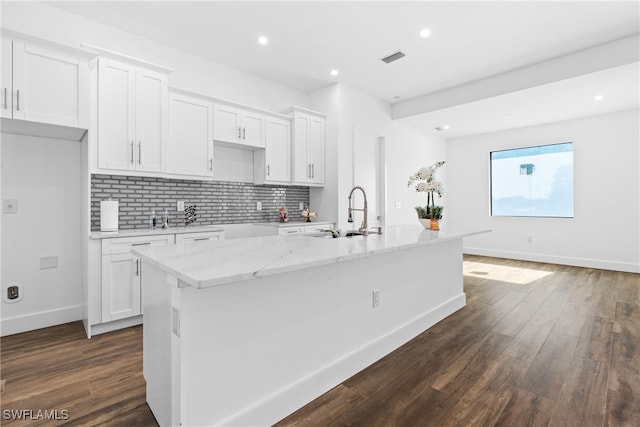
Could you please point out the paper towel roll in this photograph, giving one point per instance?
(109, 215)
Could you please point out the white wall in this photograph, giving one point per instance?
(406, 148)
(605, 232)
(44, 176)
(191, 72)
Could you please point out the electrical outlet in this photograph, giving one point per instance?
(258, 206)
(529, 239)
(12, 293)
(398, 205)
(180, 205)
(301, 207)
(10, 206)
(375, 299)
(175, 321)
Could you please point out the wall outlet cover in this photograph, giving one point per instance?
(180, 205)
(398, 205)
(259, 206)
(12, 293)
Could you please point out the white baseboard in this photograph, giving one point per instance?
(44, 319)
(296, 395)
(103, 328)
(554, 259)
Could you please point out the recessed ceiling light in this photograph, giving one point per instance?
(598, 97)
(263, 40)
(425, 32)
(441, 128)
(334, 72)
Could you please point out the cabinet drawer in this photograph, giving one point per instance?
(123, 245)
(283, 231)
(207, 236)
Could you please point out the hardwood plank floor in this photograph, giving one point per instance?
(537, 345)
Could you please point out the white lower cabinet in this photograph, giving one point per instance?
(283, 231)
(200, 237)
(122, 275)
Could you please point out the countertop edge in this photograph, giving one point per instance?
(201, 284)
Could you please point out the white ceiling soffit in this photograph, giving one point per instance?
(561, 100)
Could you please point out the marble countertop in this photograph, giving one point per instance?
(294, 223)
(159, 231)
(225, 261)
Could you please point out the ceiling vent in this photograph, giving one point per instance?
(393, 57)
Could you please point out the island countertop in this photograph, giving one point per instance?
(225, 261)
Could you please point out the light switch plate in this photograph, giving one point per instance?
(10, 206)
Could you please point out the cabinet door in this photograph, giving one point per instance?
(191, 136)
(316, 149)
(278, 150)
(120, 286)
(150, 120)
(226, 124)
(7, 89)
(116, 115)
(301, 165)
(253, 129)
(49, 85)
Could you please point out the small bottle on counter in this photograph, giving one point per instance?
(165, 218)
(152, 219)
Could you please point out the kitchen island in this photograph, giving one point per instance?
(246, 331)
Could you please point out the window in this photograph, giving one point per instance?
(533, 181)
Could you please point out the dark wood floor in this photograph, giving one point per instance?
(537, 345)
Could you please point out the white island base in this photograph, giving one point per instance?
(219, 352)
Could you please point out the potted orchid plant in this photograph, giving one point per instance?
(426, 182)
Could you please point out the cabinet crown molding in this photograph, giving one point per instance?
(173, 89)
(11, 34)
(97, 50)
(298, 109)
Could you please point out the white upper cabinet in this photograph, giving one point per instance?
(234, 125)
(273, 164)
(308, 147)
(190, 136)
(44, 84)
(132, 117)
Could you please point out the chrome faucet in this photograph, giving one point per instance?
(363, 227)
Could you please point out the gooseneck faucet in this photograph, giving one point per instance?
(363, 227)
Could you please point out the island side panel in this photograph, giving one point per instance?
(157, 344)
(254, 351)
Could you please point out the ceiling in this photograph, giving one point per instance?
(469, 41)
